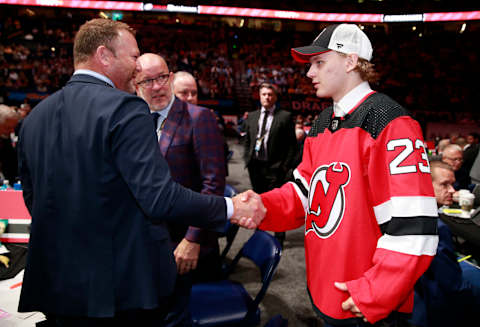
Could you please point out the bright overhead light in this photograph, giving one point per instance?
(462, 29)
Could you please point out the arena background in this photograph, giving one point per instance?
(431, 67)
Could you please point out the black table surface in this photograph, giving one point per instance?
(466, 228)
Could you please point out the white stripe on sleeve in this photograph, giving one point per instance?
(410, 244)
(406, 206)
(296, 175)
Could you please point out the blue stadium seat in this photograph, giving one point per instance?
(226, 302)
(230, 230)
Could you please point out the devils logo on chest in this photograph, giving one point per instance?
(326, 199)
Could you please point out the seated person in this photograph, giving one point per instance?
(443, 295)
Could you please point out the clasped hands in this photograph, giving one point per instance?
(248, 210)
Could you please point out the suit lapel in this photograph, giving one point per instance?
(172, 123)
(255, 118)
(273, 130)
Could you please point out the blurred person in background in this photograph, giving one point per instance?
(445, 295)
(185, 88)
(470, 151)
(270, 144)
(192, 145)
(461, 142)
(9, 119)
(453, 155)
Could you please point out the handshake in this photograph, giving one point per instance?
(248, 210)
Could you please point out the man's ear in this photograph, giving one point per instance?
(104, 55)
(351, 62)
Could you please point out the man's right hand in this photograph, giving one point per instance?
(248, 210)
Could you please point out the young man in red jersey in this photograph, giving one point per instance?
(363, 191)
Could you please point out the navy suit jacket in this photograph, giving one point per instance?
(193, 147)
(100, 194)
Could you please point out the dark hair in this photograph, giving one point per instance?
(94, 33)
(268, 86)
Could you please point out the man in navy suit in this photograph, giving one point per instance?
(100, 194)
(191, 142)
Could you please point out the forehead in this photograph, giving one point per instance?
(154, 67)
(322, 56)
(267, 90)
(453, 152)
(185, 82)
(444, 176)
(126, 42)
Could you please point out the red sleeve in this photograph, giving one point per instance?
(404, 203)
(286, 205)
(284, 209)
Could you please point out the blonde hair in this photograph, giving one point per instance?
(367, 71)
(365, 68)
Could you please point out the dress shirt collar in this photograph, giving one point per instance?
(164, 112)
(270, 111)
(351, 99)
(94, 74)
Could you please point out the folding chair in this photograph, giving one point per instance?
(226, 302)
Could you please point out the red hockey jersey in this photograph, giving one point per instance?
(364, 192)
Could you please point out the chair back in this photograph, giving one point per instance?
(229, 233)
(229, 191)
(230, 230)
(265, 251)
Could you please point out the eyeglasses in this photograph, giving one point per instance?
(160, 79)
(454, 159)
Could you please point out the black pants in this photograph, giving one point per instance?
(265, 178)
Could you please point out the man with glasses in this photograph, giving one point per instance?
(100, 194)
(191, 143)
(453, 155)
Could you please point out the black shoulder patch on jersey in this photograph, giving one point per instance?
(373, 115)
(378, 110)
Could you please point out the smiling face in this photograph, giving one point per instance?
(123, 66)
(154, 81)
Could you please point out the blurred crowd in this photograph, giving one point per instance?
(417, 71)
(431, 75)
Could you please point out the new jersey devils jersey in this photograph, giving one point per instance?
(364, 192)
